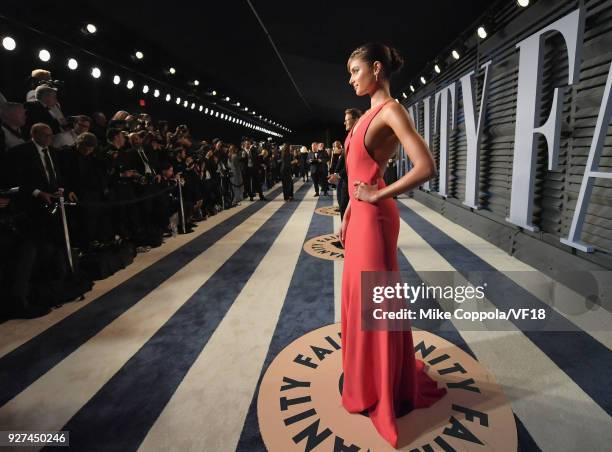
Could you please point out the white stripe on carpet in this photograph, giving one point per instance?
(226, 372)
(54, 398)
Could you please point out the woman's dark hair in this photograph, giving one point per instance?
(389, 57)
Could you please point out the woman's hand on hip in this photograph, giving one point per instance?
(365, 192)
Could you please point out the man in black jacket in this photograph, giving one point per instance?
(339, 176)
(253, 167)
(39, 111)
(315, 172)
(323, 158)
(38, 172)
(39, 177)
(86, 176)
(17, 258)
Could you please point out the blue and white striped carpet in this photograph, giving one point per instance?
(168, 353)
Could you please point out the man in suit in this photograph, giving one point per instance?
(38, 168)
(85, 174)
(38, 174)
(315, 166)
(39, 177)
(18, 253)
(253, 167)
(323, 158)
(39, 111)
(145, 162)
(339, 176)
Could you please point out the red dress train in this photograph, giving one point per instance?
(380, 370)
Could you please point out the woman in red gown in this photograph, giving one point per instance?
(381, 374)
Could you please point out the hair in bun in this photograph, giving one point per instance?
(396, 60)
(389, 57)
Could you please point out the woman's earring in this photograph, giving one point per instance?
(376, 75)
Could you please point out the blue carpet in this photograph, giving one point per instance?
(448, 331)
(582, 358)
(119, 416)
(309, 305)
(24, 365)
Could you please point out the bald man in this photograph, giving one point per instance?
(37, 166)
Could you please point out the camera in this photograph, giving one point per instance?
(57, 84)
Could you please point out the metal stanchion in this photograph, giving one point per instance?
(222, 192)
(66, 235)
(180, 187)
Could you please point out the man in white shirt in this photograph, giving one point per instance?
(81, 125)
(38, 166)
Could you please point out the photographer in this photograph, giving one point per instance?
(98, 127)
(192, 193)
(144, 166)
(166, 215)
(119, 165)
(79, 124)
(40, 111)
(37, 77)
(236, 168)
(210, 183)
(146, 161)
(86, 177)
(224, 177)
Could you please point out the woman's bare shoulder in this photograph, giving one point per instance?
(394, 108)
(395, 113)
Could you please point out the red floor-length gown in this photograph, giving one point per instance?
(380, 370)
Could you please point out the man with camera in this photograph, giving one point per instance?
(77, 125)
(121, 171)
(86, 176)
(39, 111)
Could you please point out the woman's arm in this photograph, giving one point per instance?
(344, 225)
(423, 163)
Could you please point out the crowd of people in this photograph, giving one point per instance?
(127, 179)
